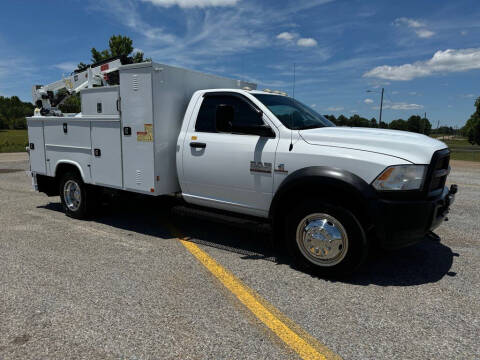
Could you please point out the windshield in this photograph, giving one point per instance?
(292, 113)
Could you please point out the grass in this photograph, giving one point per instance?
(13, 140)
(463, 150)
(465, 155)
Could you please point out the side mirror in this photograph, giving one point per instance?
(224, 116)
(262, 130)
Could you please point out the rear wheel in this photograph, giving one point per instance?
(326, 238)
(77, 201)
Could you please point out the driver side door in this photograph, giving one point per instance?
(229, 170)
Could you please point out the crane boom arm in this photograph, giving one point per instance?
(95, 74)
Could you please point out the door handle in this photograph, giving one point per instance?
(198, 145)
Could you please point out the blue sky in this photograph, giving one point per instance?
(425, 53)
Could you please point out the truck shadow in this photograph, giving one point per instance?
(426, 262)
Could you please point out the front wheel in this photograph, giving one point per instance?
(326, 238)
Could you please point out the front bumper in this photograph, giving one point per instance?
(401, 223)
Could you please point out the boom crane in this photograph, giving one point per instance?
(95, 75)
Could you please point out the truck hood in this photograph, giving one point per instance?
(409, 146)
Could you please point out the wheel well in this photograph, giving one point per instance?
(336, 194)
(63, 168)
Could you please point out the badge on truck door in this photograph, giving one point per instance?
(258, 166)
(147, 135)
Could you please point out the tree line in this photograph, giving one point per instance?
(471, 130)
(414, 123)
(13, 112)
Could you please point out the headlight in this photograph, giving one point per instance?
(401, 177)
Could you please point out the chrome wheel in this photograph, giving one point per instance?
(72, 195)
(322, 239)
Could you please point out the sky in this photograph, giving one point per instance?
(426, 54)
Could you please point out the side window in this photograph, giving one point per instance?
(244, 114)
(206, 115)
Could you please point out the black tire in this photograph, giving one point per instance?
(86, 200)
(356, 243)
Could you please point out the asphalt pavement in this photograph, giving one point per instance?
(122, 286)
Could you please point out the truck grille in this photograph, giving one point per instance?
(438, 171)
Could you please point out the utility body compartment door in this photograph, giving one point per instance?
(107, 153)
(68, 140)
(37, 146)
(137, 129)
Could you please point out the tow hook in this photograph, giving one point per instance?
(451, 194)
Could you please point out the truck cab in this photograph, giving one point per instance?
(331, 192)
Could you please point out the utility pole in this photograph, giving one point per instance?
(381, 104)
(381, 107)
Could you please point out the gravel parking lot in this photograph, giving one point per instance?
(121, 286)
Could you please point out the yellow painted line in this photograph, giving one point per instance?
(291, 334)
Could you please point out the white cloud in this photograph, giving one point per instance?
(464, 32)
(185, 4)
(446, 61)
(332, 108)
(424, 33)
(368, 101)
(288, 36)
(419, 27)
(307, 42)
(400, 106)
(313, 105)
(206, 36)
(291, 36)
(411, 23)
(66, 66)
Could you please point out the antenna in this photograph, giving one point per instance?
(291, 115)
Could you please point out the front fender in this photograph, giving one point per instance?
(323, 179)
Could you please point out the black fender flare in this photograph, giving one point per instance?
(315, 177)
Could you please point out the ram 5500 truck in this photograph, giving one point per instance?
(329, 192)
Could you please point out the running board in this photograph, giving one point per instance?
(240, 221)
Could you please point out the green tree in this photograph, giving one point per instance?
(427, 126)
(118, 45)
(472, 128)
(342, 121)
(71, 104)
(419, 125)
(383, 125)
(358, 121)
(332, 118)
(399, 124)
(13, 112)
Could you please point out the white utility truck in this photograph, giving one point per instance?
(329, 192)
